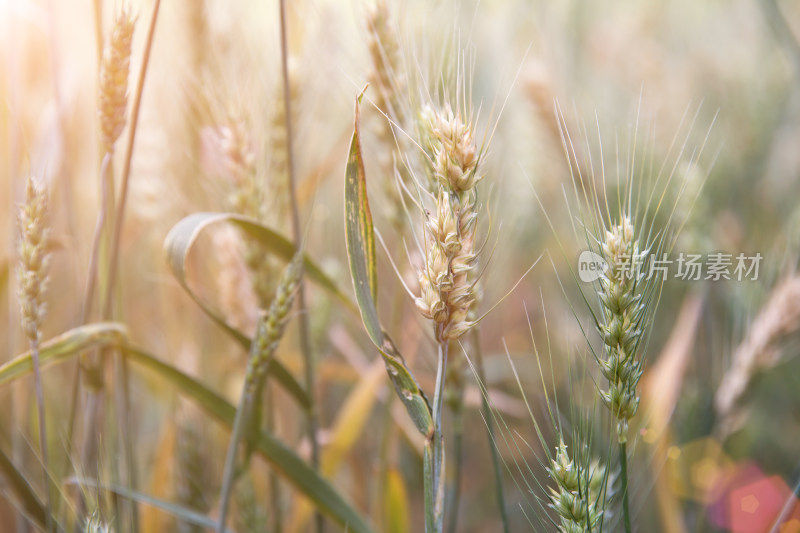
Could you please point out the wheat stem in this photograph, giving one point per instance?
(117, 234)
(37, 383)
(274, 481)
(434, 456)
(305, 332)
(126, 169)
(269, 332)
(623, 463)
(457, 408)
(242, 415)
(34, 264)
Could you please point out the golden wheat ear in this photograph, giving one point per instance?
(34, 263)
(34, 259)
(114, 70)
(447, 278)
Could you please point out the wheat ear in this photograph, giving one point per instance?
(247, 198)
(114, 69)
(577, 491)
(447, 278)
(34, 263)
(621, 319)
(447, 284)
(622, 310)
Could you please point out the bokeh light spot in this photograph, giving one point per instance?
(705, 474)
(749, 504)
(699, 470)
(755, 505)
(649, 435)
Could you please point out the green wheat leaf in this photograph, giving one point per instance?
(360, 236)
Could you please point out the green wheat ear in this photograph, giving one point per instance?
(623, 310)
(577, 492)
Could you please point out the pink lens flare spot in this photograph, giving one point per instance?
(755, 506)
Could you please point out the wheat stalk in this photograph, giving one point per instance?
(112, 115)
(123, 396)
(269, 332)
(447, 277)
(620, 295)
(305, 329)
(622, 310)
(34, 263)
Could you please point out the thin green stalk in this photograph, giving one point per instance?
(489, 419)
(458, 453)
(623, 463)
(274, 482)
(429, 484)
(37, 381)
(228, 477)
(305, 330)
(434, 456)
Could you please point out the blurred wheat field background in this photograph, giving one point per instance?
(235, 304)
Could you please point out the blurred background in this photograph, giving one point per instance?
(705, 92)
